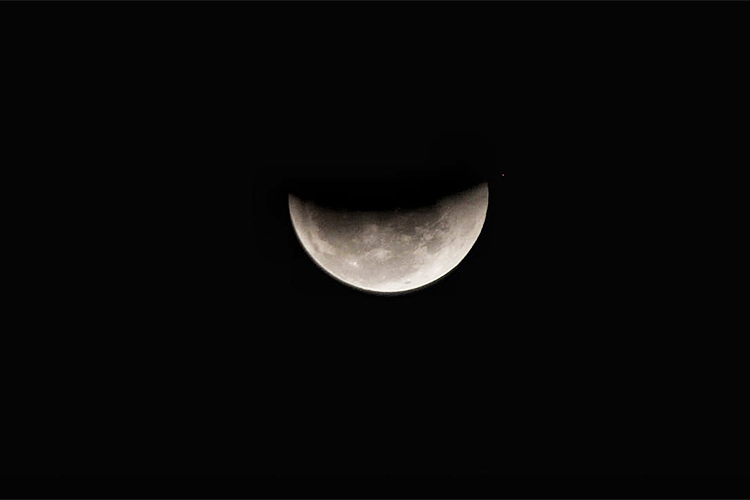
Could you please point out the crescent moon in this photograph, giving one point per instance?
(391, 251)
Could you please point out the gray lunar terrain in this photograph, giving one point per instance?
(394, 250)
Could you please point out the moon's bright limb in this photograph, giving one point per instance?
(391, 251)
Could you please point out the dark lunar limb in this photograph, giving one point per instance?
(374, 173)
(388, 189)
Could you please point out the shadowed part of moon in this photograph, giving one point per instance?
(391, 251)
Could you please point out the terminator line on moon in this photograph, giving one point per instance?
(391, 251)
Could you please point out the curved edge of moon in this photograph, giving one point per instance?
(317, 248)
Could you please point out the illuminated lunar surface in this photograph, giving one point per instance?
(395, 250)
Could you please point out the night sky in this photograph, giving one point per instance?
(569, 355)
(541, 355)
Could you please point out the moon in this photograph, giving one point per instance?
(391, 251)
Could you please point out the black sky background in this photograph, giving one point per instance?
(572, 354)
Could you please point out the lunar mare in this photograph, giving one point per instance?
(395, 250)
